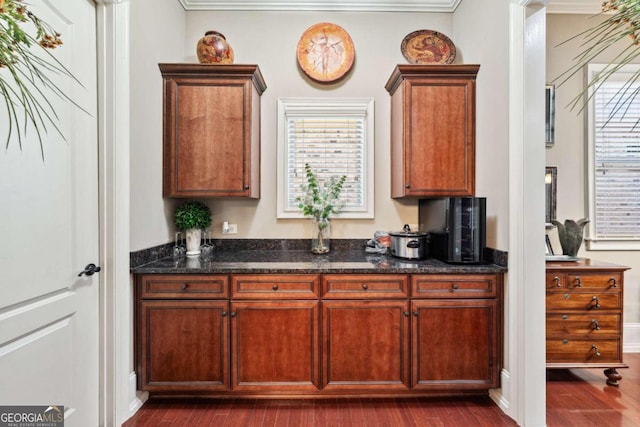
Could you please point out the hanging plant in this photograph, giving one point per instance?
(622, 23)
(24, 75)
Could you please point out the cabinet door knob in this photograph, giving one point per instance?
(595, 350)
(596, 301)
(275, 287)
(595, 325)
(183, 287)
(365, 286)
(232, 314)
(246, 186)
(578, 282)
(406, 313)
(614, 283)
(454, 286)
(224, 314)
(407, 186)
(416, 313)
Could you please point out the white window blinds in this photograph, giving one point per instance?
(615, 159)
(335, 138)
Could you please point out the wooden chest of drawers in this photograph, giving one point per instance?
(584, 308)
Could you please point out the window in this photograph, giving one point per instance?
(335, 136)
(614, 161)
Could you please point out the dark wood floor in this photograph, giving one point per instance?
(577, 397)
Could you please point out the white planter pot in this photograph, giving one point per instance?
(193, 241)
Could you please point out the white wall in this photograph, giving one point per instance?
(569, 154)
(156, 36)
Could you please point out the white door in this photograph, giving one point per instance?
(49, 317)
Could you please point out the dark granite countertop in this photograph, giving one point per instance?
(276, 260)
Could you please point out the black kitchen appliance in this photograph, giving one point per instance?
(456, 227)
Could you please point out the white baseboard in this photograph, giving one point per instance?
(631, 341)
(136, 399)
(501, 395)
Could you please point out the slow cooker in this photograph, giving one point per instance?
(408, 244)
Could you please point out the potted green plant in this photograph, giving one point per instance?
(192, 217)
(320, 200)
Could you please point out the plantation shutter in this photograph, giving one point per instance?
(333, 147)
(616, 161)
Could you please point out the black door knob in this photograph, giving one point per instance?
(89, 270)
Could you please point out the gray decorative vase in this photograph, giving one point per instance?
(571, 235)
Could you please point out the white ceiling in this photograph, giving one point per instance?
(554, 6)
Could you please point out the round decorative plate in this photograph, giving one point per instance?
(325, 52)
(428, 47)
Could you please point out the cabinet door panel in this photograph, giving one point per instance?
(365, 345)
(275, 346)
(184, 345)
(455, 344)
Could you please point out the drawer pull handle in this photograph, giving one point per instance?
(275, 287)
(454, 286)
(596, 301)
(556, 280)
(183, 287)
(578, 282)
(224, 314)
(407, 186)
(365, 286)
(565, 317)
(595, 325)
(614, 282)
(595, 350)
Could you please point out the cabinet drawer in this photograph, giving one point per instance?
(365, 286)
(453, 286)
(594, 281)
(592, 325)
(187, 286)
(583, 301)
(273, 286)
(584, 350)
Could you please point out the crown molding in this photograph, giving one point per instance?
(326, 5)
(586, 7)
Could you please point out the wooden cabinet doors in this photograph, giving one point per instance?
(275, 346)
(211, 130)
(455, 344)
(365, 345)
(432, 130)
(184, 345)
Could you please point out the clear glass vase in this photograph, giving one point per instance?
(321, 237)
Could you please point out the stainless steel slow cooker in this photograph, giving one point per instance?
(408, 244)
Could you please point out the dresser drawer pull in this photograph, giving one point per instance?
(183, 287)
(275, 287)
(454, 286)
(365, 286)
(565, 317)
(595, 325)
(594, 299)
(556, 280)
(614, 282)
(595, 350)
(578, 282)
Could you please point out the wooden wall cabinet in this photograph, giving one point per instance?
(211, 130)
(584, 316)
(432, 130)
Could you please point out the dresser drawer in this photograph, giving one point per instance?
(583, 350)
(187, 286)
(274, 286)
(594, 281)
(583, 301)
(556, 281)
(366, 286)
(453, 286)
(592, 325)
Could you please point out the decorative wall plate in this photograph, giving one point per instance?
(428, 47)
(325, 52)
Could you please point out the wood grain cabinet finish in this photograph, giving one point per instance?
(584, 312)
(211, 130)
(311, 335)
(432, 130)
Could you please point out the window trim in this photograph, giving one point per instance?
(332, 106)
(594, 243)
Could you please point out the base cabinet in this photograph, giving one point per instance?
(312, 335)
